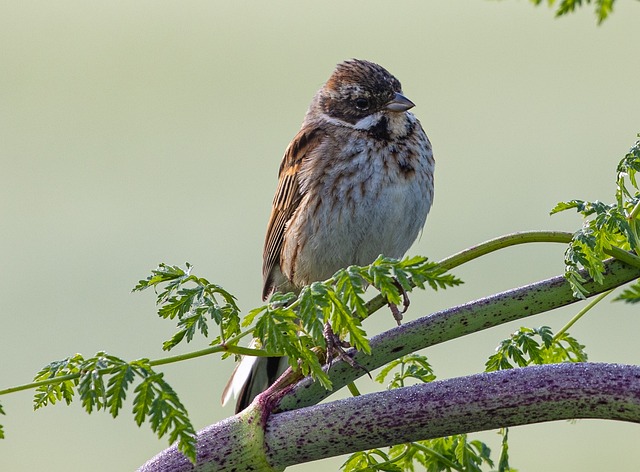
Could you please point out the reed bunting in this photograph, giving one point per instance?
(355, 182)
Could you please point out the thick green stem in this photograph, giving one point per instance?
(483, 401)
(505, 241)
(475, 403)
(373, 305)
(478, 402)
(455, 322)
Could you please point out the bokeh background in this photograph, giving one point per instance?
(133, 133)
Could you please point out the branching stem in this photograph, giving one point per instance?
(434, 453)
(373, 305)
(635, 212)
(163, 361)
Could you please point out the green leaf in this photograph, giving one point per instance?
(102, 381)
(179, 305)
(631, 294)
(117, 388)
(302, 356)
(63, 388)
(603, 7)
(411, 366)
(314, 311)
(158, 403)
(276, 328)
(92, 390)
(192, 301)
(564, 348)
(1, 427)
(440, 454)
(563, 206)
(253, 314)
(380, 273)
(606, 226)
(522, 349)
(343, 323)
(356, 462)
(503, 462)
(350, 287)
(143, 399)
(455, 452)
(188, 326)
(627, 169)
(164, 273)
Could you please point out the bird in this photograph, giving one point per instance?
(356, 181)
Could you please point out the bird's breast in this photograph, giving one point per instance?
(362, 198)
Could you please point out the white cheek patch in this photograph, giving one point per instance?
(368, 122)
(336, 121)
(396, 122)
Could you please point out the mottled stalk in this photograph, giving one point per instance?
(259, 441)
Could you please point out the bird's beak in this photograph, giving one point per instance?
(400, 103)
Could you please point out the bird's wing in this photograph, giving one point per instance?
(286, 201)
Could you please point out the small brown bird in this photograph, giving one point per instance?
(355, 182)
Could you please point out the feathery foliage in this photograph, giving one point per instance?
(606, 226)
(193, 301)
(287, 325)
(294, 326)
(603, 7)
(102, 382)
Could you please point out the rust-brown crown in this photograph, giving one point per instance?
(356, 89)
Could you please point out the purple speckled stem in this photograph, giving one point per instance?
(224, 446)
(477, 402)
(455, 322)
(461, 405)
(474, 403)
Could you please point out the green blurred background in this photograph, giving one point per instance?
(133, 133)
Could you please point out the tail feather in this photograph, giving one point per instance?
(252, 376)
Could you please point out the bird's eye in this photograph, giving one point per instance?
(362, 103)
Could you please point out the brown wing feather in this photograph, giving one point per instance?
(285, 202)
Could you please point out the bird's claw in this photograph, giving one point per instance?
(397, 313)
(336, 349)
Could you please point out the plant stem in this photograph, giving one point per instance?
(486, 401)
(581, 313)
(634, 227)
(245, 351)
(377, 302)
(156, 362)
(455, 322)
(635, 212)
(502, 242)
(505, 241)
(353, 389)
(439, 456)
(31, 385)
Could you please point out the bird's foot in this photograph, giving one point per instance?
(336, 349)
(395, 311)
